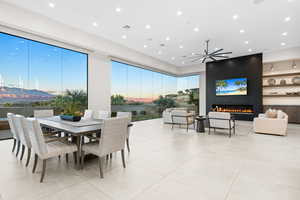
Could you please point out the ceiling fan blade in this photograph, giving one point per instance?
(222, 56)
(193, 57)
(217, 51)
(205, 52)
(212, 58)
(222, 53)
(204, 59)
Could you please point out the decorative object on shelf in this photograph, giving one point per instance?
(271, 81)
(296, 80)
(294, 65)
(272, 67)
(282, 82)
(70, 118)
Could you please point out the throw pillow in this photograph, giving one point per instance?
(271, 113)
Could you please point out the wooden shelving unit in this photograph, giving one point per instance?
(281, 95)
(286, 85)
(278, 75)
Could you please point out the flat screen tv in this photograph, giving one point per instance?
(229, 87)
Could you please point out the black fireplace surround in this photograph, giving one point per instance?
(249, 67)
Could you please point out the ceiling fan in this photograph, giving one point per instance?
(209, 55)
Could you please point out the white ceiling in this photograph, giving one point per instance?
(263, 23)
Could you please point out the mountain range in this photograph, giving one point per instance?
(14, 95)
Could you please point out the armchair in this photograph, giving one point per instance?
(182, 117)
(221, 120)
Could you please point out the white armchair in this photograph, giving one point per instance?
(167, 114)
(221, 120)
(182, 117)
(273, 126)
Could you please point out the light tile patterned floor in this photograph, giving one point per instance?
(170, 165)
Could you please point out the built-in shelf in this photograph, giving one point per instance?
(286, 85)
(278, 75)
(280, 95)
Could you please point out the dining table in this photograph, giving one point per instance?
(77, 130)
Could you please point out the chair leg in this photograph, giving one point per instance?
(14, 145)
(22, 153)
(28, 156)
(18, 148)
(110, 155)
(123, 158)
(35, 162)
(82, 159)
(75, 157)
(208, 130)
(100, 167)
(229, 132)
(187, 128)
(43, 171)
(127, 143)
(67, 158)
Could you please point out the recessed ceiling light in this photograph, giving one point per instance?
(51, 4)
(246, 42)
(193, 54)
(183, 62)
(118, 9)
(124, 37)
(159, 52)
(235, 17)
(284, 34)
(173, 58)
(148, 26)
(145, 46)
(242, 31)
(287, 19)
(196, 29)
(167, 38)
(250, 50)
(95, 24)
(179, 13)
(283, 43)
(180, 46)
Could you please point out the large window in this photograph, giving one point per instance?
(146, 93)
(36, 76)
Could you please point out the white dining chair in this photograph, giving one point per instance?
(45, 150)
(129, 116)
(43, 113)
(102, 114)
(113, 135)
(88, 114)
(15, 134)
(20, 126)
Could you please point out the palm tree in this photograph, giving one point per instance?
(221, 84)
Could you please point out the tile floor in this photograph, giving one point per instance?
(169, 165)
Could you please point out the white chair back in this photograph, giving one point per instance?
(113, 135)
(88, 114)
(43, 113)
(36, 137)
(101, 114)
(12, 126)
(125, 114)
(22, 130)
(179, 116)
(219, 119)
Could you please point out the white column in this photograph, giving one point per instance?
(99, 82)
(202, 93)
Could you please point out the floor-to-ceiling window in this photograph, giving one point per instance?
(147, 93)
(35, 75)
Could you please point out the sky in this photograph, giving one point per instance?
(29, 64)
(231, 84)
(134, 82)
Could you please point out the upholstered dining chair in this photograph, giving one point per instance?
(15, 134)
(45, 150)
(20, 125)
(43, 113)
(129, 116)
(182, 117)
(113, 136)
(88, 114)
(101, 114)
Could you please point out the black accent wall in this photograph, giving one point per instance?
(249, 67)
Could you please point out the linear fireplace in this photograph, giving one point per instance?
(234, 109)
